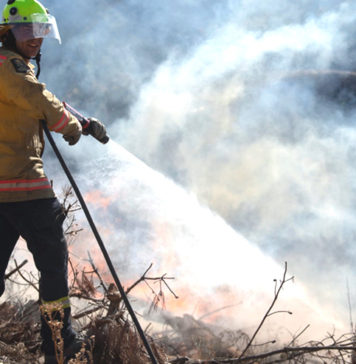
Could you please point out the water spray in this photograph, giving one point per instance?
(85, 123)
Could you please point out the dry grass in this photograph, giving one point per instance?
(117, 342)
(19, 332)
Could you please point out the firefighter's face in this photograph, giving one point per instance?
(30, 47)
(29, 38)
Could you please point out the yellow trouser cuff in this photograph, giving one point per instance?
(61, 302)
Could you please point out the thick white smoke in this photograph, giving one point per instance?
(145, 217)
(215, 96)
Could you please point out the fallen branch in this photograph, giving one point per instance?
(290, 353)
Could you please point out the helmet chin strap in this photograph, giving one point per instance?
(38, 60)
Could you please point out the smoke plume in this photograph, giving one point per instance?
(242, 105)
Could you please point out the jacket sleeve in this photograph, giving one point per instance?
(23, 89)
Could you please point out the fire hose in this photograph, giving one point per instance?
(84, 123)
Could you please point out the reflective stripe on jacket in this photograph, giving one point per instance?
(25, 185)
(23, 102)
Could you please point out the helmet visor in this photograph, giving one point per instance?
(36, 28)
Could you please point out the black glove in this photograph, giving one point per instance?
(96, 129)
(73, 138)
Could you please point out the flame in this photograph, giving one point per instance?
(98, 198)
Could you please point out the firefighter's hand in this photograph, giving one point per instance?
(96, 129)
(73, 138)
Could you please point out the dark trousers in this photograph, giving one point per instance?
(39, 223)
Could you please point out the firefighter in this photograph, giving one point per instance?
(28, 206)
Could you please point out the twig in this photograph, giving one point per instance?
(88, 312)
(335, 343)
(217, 310)
(276, 294)
(265, 343)
(296, 337)
(24, 278)
(169, 288)
(280, 311)
(8, 275)
(349, 304)
(82, 296)
(145, 279)
(95, 270)
(75, 273)
(142, 278)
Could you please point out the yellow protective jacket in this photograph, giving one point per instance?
(23, 102)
